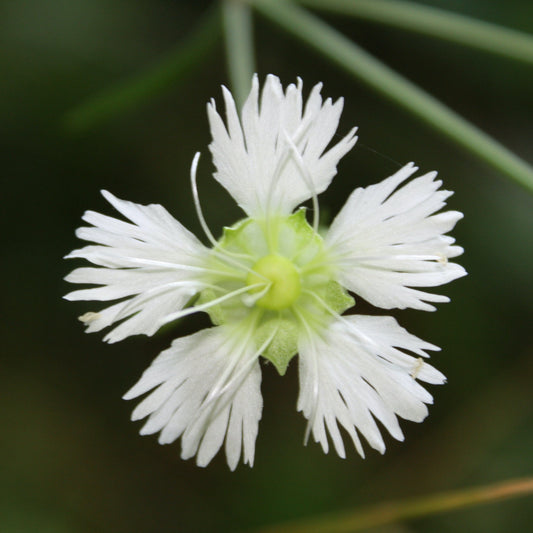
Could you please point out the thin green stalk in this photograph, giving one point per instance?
(436, 22)
(170, 71)
(394, 512)
(238, 35)
(352, 58)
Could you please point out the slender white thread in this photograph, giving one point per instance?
(307, 178)
(225, 255)
(351, 327)
(207, 305)
(155, 291)
(204, 415)
(282, 161)
(198, 207)
(314, 407)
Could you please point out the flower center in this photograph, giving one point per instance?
(283, 277)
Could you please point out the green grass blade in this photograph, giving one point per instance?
(132, 93)
(381, 78)
(397, 511)
(436, 22)
(238, 35)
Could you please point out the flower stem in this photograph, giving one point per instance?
(386, 81)
(393, 512)
(436, 22)
(238, 36)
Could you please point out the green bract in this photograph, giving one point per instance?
(291, 279)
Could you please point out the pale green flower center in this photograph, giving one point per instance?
(275, 278)
(283, 278)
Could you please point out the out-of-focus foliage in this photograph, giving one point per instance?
(71, 459)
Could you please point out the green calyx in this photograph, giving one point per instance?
(284, 344)
(290, 278)
(286, 330)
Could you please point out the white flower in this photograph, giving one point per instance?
(274, 287)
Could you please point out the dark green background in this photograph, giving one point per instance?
(71, 461)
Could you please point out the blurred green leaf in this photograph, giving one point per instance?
(171, 71)
(352, 58)
(436, 22)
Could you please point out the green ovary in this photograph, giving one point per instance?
(282, 278)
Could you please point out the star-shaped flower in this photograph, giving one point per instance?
(274, 287)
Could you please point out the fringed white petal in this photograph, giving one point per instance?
(356, 372)
(387, 240)
(207, 389)
(253, 156)
(153, 264)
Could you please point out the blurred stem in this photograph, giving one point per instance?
(174, 69)
(238, 35)
(392, 512)
(436, 23)
(386, 81)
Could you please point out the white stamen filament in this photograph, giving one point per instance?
(155, 291)
(250, 299)
(314, 408)
(297, 136)
(224, 255)
(207, 305)
(352, 329)
(308, 180)
(309, 267)
(204, 416)
(400, 257)
(178, 266)
(218, 391)
(198, 207)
